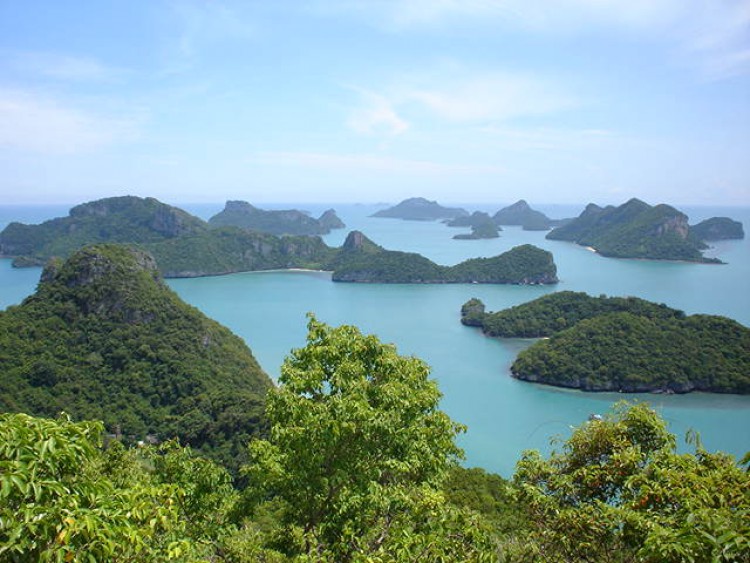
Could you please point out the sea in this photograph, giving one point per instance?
(503, 416)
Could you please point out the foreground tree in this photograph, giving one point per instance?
(618, 491)
(357, 453)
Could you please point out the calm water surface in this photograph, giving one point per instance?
(504, 416)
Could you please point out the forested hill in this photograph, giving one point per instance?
(116, 219)
(555, 312)
(104, 338)
(621, 344)
(276, 222)
(361, 260)
(634, 230)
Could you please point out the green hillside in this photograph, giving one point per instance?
(104, 338)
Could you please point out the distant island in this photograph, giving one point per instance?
(718, 228)
(482, 226)
(621, 344)
(283, 222)
(635, 229)
(185, 246)
(420, 209)
(103, 337)
(361, 260)
(521, 214)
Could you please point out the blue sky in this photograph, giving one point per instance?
(554, 101)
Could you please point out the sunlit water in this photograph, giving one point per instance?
(504, 416)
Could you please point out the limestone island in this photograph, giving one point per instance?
(621, 344)
(276, 222)
(635, 229)
(186, 246)
(420, 209)
(521, 214)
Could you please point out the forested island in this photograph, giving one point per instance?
(186, 246)
(621, 344)
(351, 460)
(361, 260)
(521, 214)
(276, 222)
(482, 226)
(635, 229)
(420, 209)
(104, 338)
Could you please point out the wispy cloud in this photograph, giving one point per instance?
(64, 67)
(710, 35)
(32, 123)
(366, 162)
(376, 114)
(454, 94)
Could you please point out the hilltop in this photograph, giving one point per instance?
(420, 209)
(634, 230)
(104, 338)
(116, 219)
(282, 222)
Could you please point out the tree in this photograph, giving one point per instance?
(618, 491)
(357, 446)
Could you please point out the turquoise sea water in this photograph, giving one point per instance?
(504, 416)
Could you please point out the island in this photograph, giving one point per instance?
(482, 226)
(361, 260)
(635, 229)
(103, 337)
(116, 219)
(420, 209)
(718, 228)
(185, 246)
(276, 222)
(521, 214)
(621, 344)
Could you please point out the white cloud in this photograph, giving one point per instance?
(454, 94)
(32, 123)
(366, 162)
(376, 115)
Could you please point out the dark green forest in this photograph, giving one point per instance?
(103, 338)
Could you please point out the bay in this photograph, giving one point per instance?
(504, 416)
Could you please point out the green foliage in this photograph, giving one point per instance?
(525, 264)
(634, 230)
(357, 450)
(618, 491)
(627, 352)
(57, 502)
(521, 214)
(552, 313)
(104, 338)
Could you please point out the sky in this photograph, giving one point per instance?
(554, 101)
